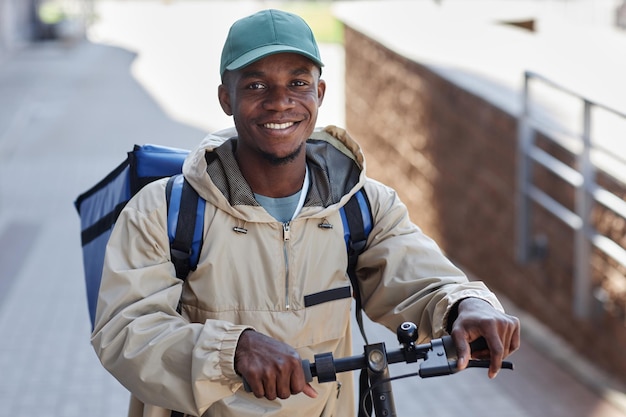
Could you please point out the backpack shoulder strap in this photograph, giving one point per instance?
(357, 225)
(185, 224)
(185, 228)
(357, 221)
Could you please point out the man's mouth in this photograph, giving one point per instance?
(278, 126)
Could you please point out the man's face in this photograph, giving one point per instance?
(274, 104)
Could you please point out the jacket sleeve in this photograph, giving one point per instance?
(139, 336)
(403, 274)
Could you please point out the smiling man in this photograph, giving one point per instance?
(273, 241)
(274, 102)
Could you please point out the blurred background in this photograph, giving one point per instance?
(502, 124)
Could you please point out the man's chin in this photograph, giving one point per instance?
(278, 160)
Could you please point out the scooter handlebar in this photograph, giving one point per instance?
(438, 357)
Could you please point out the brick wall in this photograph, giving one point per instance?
(452, 158)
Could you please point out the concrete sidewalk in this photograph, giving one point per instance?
(68, 115)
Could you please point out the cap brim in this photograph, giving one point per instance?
(259, 53)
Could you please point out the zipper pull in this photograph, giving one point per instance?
(286, 231)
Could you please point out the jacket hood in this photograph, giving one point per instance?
(335, 161)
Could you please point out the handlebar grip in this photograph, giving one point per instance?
(479, 344)
(475, 346)
(306, 368)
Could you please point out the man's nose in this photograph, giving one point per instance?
(278, 99)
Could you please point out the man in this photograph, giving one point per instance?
(246, 311)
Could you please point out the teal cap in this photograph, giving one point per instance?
(266, 33)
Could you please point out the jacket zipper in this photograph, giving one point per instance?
(286, 237)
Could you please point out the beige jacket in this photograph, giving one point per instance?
(260, 279)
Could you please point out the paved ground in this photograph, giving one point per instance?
(68, 114)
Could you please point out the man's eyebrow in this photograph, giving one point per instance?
(252, 74)
(301, 70)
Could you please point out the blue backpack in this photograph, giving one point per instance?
(100, 206)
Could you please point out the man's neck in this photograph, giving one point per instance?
(274, 180)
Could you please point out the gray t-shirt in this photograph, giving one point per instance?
(281, 209)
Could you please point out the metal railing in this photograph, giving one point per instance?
(591, 155)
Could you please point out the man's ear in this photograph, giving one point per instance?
(321, 90)
(223, 94)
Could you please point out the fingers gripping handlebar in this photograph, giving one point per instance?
(438, 358)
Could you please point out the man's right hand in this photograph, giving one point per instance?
(272, 369)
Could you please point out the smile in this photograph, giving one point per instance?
(278, 126)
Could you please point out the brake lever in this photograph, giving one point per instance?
(437, 362)
(484, 363)
(481, 344)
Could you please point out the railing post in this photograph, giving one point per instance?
(584, 204)
(525, 139)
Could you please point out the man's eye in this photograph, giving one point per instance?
(299, 83)
(255, 86)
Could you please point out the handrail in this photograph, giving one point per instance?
(548, 81)
(582, 177)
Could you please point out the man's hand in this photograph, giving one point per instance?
(272, 369)
(478, 318)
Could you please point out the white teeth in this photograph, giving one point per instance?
(278, 126)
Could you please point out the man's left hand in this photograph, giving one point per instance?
(478, 318)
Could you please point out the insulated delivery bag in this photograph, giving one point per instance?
(100, 206)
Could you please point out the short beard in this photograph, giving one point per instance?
(284, 160)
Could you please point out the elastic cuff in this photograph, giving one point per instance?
(452, 314)
(227, 351)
